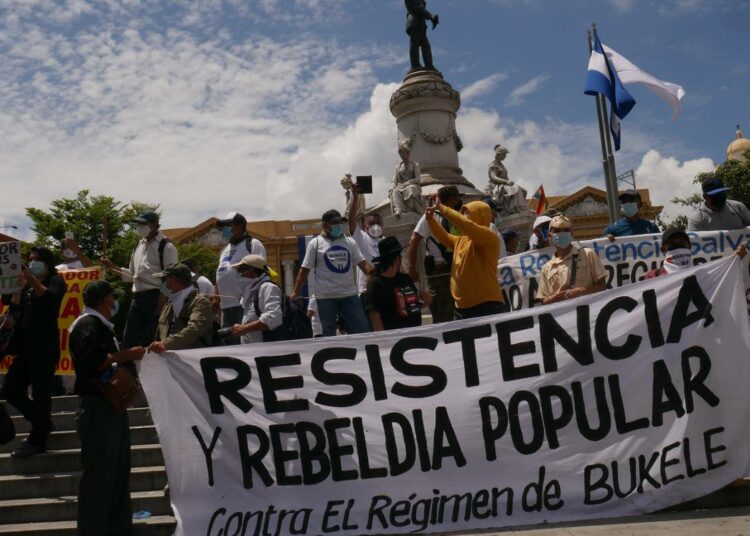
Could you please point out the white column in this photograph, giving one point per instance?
(288, 266)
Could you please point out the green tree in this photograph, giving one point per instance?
(207, 259)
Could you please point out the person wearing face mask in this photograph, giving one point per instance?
(152, 254)
(36, 344)
(258, 324)
(510, 238)
(103, 492)
(438, 258)
(631, 222)
(366, 236)
(73, 256)
(539, 238)
(675, 245)
(474, 284)
(718, 213)
(393, 301)
(187, 320)
(331, 257)
(230, 286)
(573, 271)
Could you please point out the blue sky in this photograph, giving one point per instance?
(262, 105)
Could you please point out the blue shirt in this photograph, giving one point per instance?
(625, 227)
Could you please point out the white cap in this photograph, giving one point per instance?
(541, 220)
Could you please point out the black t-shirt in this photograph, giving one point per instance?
(37, 318)
(396, 299)
(90, 342)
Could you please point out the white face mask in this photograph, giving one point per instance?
(69, 254)
(375, 231)
(678, 259)
(143, 230)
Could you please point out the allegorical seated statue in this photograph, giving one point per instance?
(510, 197)
(416, 26)
(406, 193)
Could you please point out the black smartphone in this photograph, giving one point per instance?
(364, 184)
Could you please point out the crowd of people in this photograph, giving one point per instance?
(355, 281)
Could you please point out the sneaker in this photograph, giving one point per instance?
(27, 450)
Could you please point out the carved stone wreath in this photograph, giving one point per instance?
(429, 88)
(450, 134)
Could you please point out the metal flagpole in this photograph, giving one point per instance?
(608, 158)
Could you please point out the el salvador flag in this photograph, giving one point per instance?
(602, 78)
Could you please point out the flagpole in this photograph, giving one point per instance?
(608, 158)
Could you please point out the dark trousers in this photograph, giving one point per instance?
(140, 325)
(419, 40)
(442, 305)
(483, 309)
(38, 371)
(104, 489)
(229, 317)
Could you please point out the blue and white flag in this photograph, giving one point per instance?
(603, 79)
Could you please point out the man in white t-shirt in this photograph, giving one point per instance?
(230, 286)
(331, 257)
(366, 237)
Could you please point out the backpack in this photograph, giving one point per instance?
(294, 325)
(162, 244)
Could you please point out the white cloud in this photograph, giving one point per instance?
(519, 94)
(623, 5)
(482, 87)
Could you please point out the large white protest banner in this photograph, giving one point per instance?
(626, 261)
(10, 267)
(618, 403)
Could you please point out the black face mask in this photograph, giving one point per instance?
(719, 200)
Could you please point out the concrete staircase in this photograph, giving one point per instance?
(38, 495)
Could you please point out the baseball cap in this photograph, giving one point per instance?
(148, 217)
(332, 217)
(251, 261)
(445, 192)
(714, 186)
(178, 270)
(388, 248)
(629, 193)
(231, 219)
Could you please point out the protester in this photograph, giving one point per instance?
(257, 322)
(510, 238)
(73, 257)
(201, 282)
(718, 213)
(495, 225)
(438, 258)
(103, 490)
(36, 344)
(312, 314)
(474, 284)
(186, 321)
(331, 257)
(539, 238)
(573, 271)
(366, 237)
(631, 222)
(152, 254)
(229, 285)
(393, 301)
(675, 244)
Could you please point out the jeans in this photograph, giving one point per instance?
(349, 309)
(483, 309)
(229, 317)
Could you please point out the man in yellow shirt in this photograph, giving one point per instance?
(573, 271)
(474, 284)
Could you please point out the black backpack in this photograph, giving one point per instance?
(295, 323)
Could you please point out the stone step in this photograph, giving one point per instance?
(62, 483)
(139, 435)
(70, 460)
(59, 404)
(65, 508)
(155, 526)
(65, 421)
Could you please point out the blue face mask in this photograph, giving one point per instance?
(562, 239)
(630, 209)
(337, 230)
(37, 267)
(226, 232)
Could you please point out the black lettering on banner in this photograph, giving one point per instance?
(632, 466)
(420, 434)
(356, 383)
(602, 408)
(270, 384)
(229, 389)
(365, 471)
(644, 470)
(691, 293)
(618, 408)
(711, 450)
(598, 484)
(533, 290)
(509, 351)
(376, 371)
(543, 494)
(315, 453)
(337, 451)
(551, 333)
(207, 450)
(254, 461)
(390, 422)
(437, 375)
(466, 337)
(653, 319)
(445, 441)
(602, 331)
(664, 386)
(695, 382)
(554, 423)
(669, 462)
(281, 456)
(491, 433)
(517, 426)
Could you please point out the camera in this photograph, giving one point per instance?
(364, 184)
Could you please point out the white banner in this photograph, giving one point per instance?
(10, 267)
(626, 261)
(624, 402)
